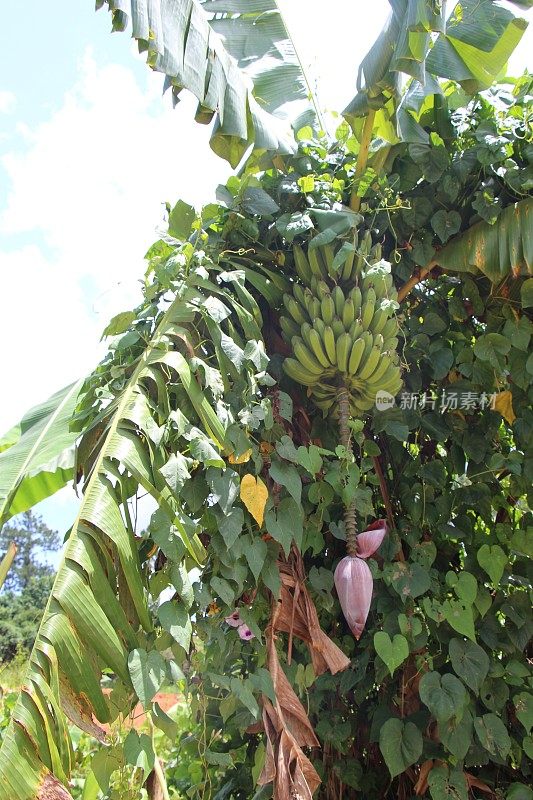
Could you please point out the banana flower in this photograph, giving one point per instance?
(353, 579)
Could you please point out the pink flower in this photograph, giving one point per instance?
(234, 619)
(245, 633)
(353, 579)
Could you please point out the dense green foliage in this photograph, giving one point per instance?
(438, 692)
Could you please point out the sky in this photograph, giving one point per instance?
(90, 151)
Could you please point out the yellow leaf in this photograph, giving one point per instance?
(503, 403)
(254, 495)
(242, 459)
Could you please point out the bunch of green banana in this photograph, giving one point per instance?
(342, 266)
(342, 336)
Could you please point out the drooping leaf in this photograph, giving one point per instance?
(86, 627)
(240, 64)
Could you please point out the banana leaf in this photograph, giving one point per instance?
(235, 56)
(41, 459)
(471, 47)
(497, 250)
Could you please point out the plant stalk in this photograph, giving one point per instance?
(343, 401)
(158, 769)
(7, 561)
(362, 158)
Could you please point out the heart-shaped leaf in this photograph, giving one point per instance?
(254, 495)
(392, 651)
(401, 744)
(493, 560)
(147, 673)
(445, 695)
(470, 662)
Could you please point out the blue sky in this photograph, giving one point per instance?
(89, 152)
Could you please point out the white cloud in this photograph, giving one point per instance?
(7, 101)
(89, 183)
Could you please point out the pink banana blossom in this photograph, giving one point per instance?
(353, 579)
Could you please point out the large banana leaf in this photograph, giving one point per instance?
(41, 459)
(235, 56)
(496, 250)
(471, 47)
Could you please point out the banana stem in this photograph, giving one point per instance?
(343, 401)
(362, 158)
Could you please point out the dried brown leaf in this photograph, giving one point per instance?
(297, 616)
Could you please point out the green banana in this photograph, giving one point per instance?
(347, 269)
(356, 329)
(303, 270)
(356, 353)
(288, 327)
(379, 320)
(305, 357)
(366, 336)
(368, 366)
(328, 255)
(377, 338)
(390, 328)
(298, 373)
(318, 325)
(390, 345)
(343, 346)
(295, 309)
(317, 347)
(367, 311)
(299, 294)
(348, 313)
(315, 262)
(304, 332)
(328, 338)
(322, 288)
(339, 300)
(337, 327)
(357, 298)
(327, 308)
(383, 373)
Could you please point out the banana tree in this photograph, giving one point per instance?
(241, 396)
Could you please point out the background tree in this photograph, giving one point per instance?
(35, 541)
(28, 582)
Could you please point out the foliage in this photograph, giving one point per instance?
(231, 587)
